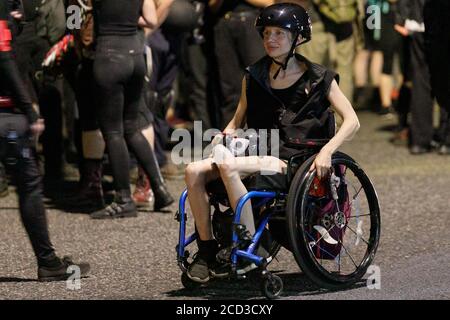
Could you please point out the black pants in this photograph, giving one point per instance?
(237, 45)
(19, 156)
(119, 69)
(421, 95)
(437, 39)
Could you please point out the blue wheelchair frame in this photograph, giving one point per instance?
(236, 253)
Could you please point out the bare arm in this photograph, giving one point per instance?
(148, 18)
(349, 127)
(162, 11)
(239, 117)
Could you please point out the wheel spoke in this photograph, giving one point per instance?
(360, 215)
(358, 235)
(348, 253)
(357, 193)
(327, 233)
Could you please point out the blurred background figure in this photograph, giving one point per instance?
(237, 45)
(335, 27)
(437, 49)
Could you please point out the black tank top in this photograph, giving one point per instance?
(292, 93)
(117, 17)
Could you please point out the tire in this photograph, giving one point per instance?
(188, 283)
(272, 287)
(300, 220)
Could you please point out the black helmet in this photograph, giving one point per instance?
(288, 16)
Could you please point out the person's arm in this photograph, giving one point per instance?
(148, 18)
(238, 119)
(349, 127)
(162, 11)
(239, 116)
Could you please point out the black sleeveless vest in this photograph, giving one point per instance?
(311, 120)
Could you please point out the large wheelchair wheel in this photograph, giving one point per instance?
(333, 241)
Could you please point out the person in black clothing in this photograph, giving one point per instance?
(437, 50)
(281, 91)
(31, 46)
(236, 46)
(119, 69)
(19, 126)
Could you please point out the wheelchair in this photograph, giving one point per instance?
(330, 225)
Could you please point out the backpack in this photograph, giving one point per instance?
(339, 11)
(322, 215)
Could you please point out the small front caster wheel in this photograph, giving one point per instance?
(272, 286)
(188, 283)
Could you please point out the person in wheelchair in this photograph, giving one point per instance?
(281, 91)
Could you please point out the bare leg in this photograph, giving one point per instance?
(360, 67)
(197, 175)
(233, 169)
(386, 86)
(376, 66)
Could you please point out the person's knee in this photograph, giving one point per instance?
(194, 175)
(227, 169)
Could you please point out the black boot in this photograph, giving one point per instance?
(122, 207)
(90, 193)
(162, 196)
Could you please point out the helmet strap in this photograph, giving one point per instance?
(290, 55)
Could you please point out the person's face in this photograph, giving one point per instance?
(277, 41)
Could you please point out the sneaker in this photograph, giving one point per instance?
(418, 149)
(59, 272)
(386, 112)
(142, 194)
(116, 210)
(223, 268)
(204, 260)
(444, 150)
(198, 270)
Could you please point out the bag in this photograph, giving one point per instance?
(339, 11)
(323, 215)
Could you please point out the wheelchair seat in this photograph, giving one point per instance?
(261, 182)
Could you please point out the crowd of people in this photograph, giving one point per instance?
(111, 85)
